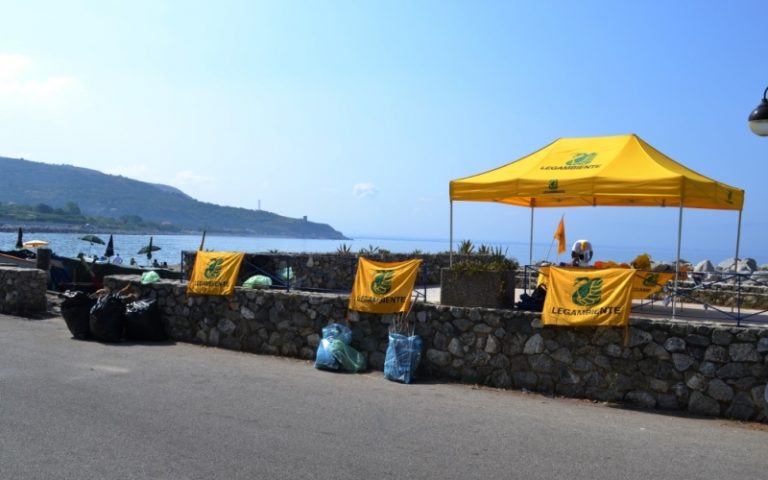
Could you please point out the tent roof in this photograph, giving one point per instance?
(621, 170)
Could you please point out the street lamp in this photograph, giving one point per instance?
(758, 119)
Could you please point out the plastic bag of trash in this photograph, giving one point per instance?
(286, 274)
(324, 357)
(258, 281)
(108, 319)
(143, 323)
(403, 356)
(149, 277)
(350, 359)
(76, 310)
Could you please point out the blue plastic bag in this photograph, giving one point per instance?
(324, 357)
(403, 355)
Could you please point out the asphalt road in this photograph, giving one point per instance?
(83, 410)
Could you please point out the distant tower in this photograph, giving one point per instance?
(305, 218)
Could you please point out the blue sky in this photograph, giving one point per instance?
(358, 114)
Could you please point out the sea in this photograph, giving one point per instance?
(171, 246)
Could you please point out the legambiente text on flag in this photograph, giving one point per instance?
(581, 297)
(383, 287)
(215, 273)
(560, 236)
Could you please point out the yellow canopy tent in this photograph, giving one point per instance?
(621, 170)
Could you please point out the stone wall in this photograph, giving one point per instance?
(701, 368)
(22, 290)
(331, 271)
(725, 295)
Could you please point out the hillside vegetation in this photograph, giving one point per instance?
(65, 194)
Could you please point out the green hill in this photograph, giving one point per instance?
(23, 182)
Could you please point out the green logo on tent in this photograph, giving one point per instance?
(213, 270)
(588, 291)
(552, 185)
(382, 282)
(651, 280)
(581, 159)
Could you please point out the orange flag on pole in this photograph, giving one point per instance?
(560, 236)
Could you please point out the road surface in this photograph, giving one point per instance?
(85, 410)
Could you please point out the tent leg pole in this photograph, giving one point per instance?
(677, 261)
(530, 256)
(450, 240)
(738, 290)
(530, 243)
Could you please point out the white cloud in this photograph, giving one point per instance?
(364, 190)
(11, 65)
(18, 81)
(188, 179)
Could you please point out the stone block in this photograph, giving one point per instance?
(719, 390)
(743, 352)
(697, 340)
(701, 404)
(534, 345)
(741, 408)
(682, 362)
(439, 358)
(641, 399)
(541, 363)
(721, 337)
(674, 344)
(715, 353)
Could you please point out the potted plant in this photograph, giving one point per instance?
(481, 280)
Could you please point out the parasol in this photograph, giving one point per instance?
(110, 251)
(19, 243)
(93, 239)
(149, 249)
(35, 244)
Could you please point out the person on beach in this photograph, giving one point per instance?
(118, 260)
(581, 253)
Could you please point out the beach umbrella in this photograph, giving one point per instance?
(110, 251)
(35, 244)
(93, 239)
(149, 249)
(19, 243)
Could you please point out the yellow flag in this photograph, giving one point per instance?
(215, 273)
(581, 297)
(560, 236)
(383, 287)
(645, 284)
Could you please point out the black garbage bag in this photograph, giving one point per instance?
(108, 319)
(142, 322)
(533, 302)
(76, 310)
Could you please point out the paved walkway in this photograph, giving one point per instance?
(86, 410)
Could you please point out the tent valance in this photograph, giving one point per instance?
(621, 170)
